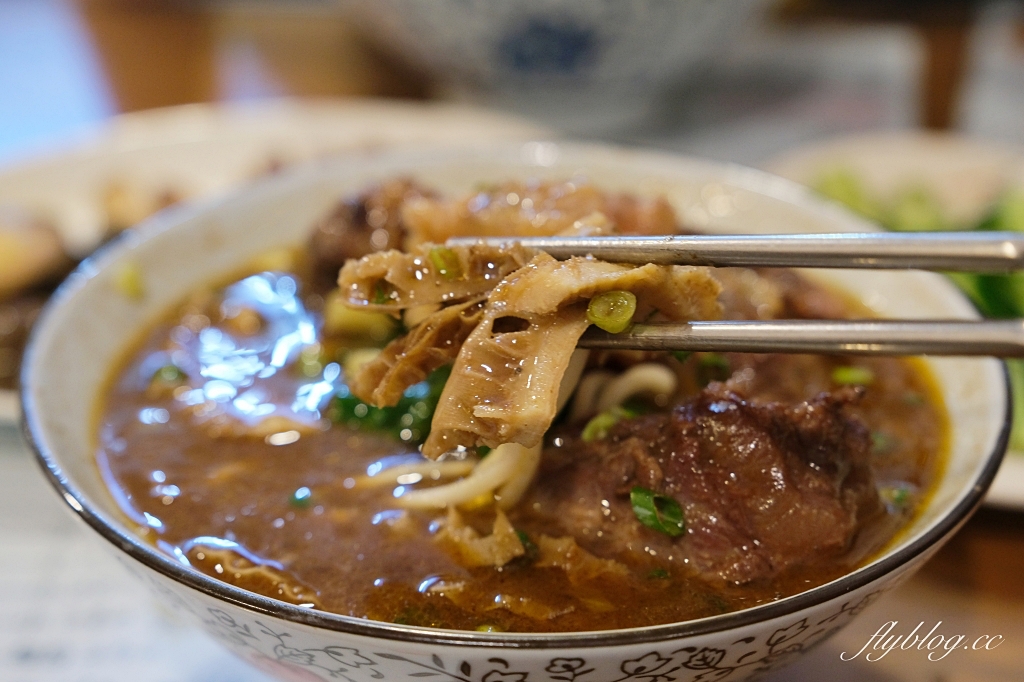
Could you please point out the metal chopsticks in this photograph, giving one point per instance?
(954, 251)
(1000, 338)
(991, 252)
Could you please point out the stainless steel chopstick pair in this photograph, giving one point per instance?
(982, 252)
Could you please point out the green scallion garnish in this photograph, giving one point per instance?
(408, 420)
(898, 497)
(712, 367)
(599, 425)
(446, 262)
(381, 293)
(852, 376)
(612, 311)
(532, 550)
(881, 442)
(170, 374)
(658, 512)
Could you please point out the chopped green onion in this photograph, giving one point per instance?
(913, 399)
(351, 323)
(717, 602)
(597, 428)
(446, 262)
(682, 355)
(634, 407)
(532, 550)
(381, 293)
(612, 311)
(852, 376)
(657, 512)
(170, 374)
(301, 498)
(599, 425)
(712, 367)
(129, 281)
(426, 617)
(897, 497)
(881, 442)
(482, 451)
(658, 574)
(408, 420)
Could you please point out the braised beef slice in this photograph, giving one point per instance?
(367, 222)
(764, 487)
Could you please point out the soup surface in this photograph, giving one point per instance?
(232, 437)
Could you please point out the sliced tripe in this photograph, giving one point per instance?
(533, 209)
(579, 565)
(391, 281)
(408, 360)
(394, 280)
(678, 292)
(504, 384)
(469, 549)
(435, 339)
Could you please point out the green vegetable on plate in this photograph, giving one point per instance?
(996, 296)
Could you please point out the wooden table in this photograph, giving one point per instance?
(944, 25)
(322, 54)
(165, 52)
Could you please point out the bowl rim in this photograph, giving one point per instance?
(165, 565)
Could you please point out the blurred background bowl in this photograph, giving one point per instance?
(584, 66)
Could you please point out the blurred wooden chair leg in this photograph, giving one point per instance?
(155, 52)
(945, 63)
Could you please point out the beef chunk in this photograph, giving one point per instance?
(764, 487)
(362, 224)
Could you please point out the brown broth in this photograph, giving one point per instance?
(228, 503)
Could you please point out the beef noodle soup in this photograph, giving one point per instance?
(417, 440)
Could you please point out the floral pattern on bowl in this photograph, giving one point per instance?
(584, 65)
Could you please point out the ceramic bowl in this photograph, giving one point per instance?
(88, 325)
(581, 65)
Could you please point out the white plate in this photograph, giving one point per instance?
(966, 177)
(200, 150)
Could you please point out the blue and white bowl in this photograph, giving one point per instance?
(88, 323)
(581, 65)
